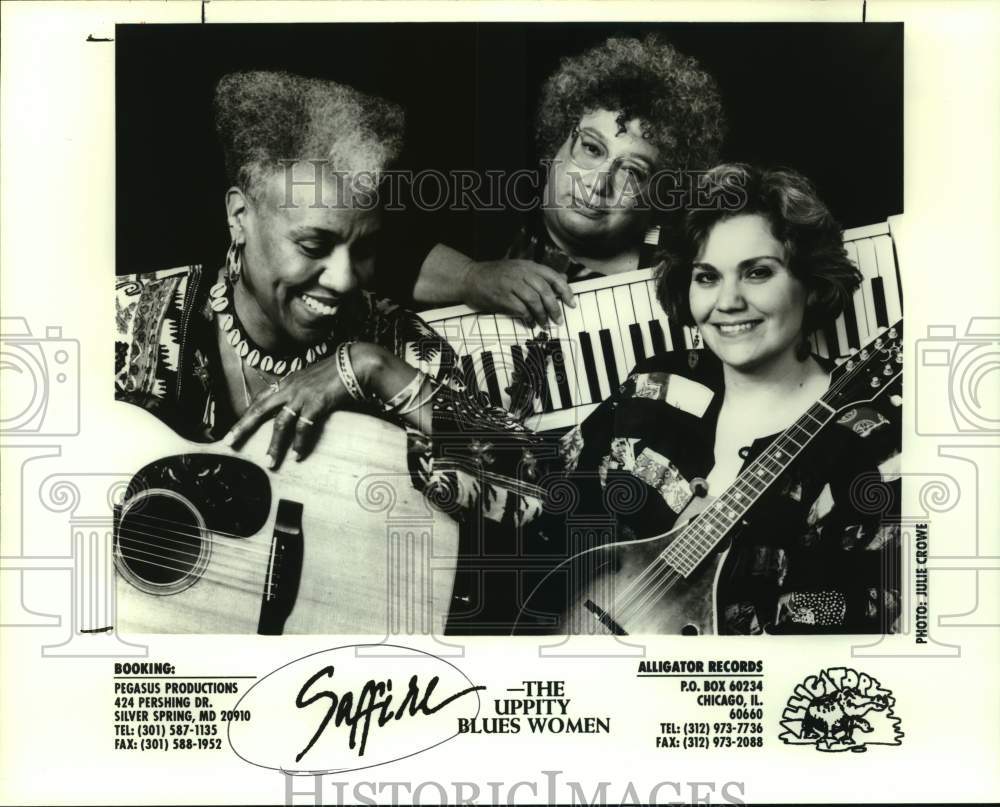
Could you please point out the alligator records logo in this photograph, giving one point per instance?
(840, 710)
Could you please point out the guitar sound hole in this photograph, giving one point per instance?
(160, 545)
(690, 630)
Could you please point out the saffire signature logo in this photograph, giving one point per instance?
(840, 710)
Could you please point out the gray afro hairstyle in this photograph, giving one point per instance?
(265, 117)
(676, 102)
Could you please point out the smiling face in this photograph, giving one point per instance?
(592, 210)
(744, 299)
(300, 261)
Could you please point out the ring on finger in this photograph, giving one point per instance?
(304, 419)
(290, 411)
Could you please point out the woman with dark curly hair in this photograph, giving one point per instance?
(608, 120)
(756, 269)
(757, 279)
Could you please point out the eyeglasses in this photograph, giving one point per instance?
(589, 153)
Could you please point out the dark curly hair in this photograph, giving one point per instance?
(265, 117)
(812, 238)
(676, 102)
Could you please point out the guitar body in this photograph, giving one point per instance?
(209, 541)
(622, 588)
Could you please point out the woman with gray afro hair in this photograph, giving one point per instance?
(287, 329)
(263, 118)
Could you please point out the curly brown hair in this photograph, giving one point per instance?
(812, 238)
(676, 102)
(263, 118)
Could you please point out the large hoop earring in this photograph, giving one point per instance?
(234, 263)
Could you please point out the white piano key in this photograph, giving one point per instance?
(626, 317)
(887, 270)
(491, 341)
(869, 271)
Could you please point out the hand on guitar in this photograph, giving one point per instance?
(521, 288)
(302, 403)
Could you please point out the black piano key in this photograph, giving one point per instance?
(469, 375)
(832, 342)
(562, 381)
(637, 347)
(491, 379)
(519, 373)
(609, 359)
(851, 326)
(657, 337)
(591, 367)
(878, 300)
(677, 334)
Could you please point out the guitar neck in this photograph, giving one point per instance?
(860, 379)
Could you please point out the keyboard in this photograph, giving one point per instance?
(617, 323)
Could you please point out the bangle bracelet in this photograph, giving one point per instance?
(346, 372)
(405, 397)
(408, 399)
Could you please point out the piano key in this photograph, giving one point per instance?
(658, 337)
(638, 348)
(519, 394)
(626, 318)
(869, 271)
(679, 339)
(610, 361)
(643, 314)
(492, 382)
(573, 353)
(560, 376)
(832, 340)
(592, 326)
(469, 374)
(610, 318)
(885, 256)
(855, 316)
(496, 347)
(878, 298)
(589, 363)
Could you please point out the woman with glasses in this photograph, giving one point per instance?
(608, 119)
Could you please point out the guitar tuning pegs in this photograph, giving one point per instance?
(892, 333)
(879, 342)
(887, 370)
(876, 382)
(864, 355)
(850, 364)
(899, 358)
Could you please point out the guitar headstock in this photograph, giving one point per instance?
(865, 375)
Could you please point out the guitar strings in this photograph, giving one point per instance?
(653, 592)
(238, 555)
(230, 582)
(222, 551)
(219, 572)
(183, 524)
(208, 536)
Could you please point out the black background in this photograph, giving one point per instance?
(825, 99)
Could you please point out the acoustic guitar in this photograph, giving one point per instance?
(208, 541)
(667, 583)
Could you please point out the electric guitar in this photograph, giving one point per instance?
(667, 583)
(208, 541)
